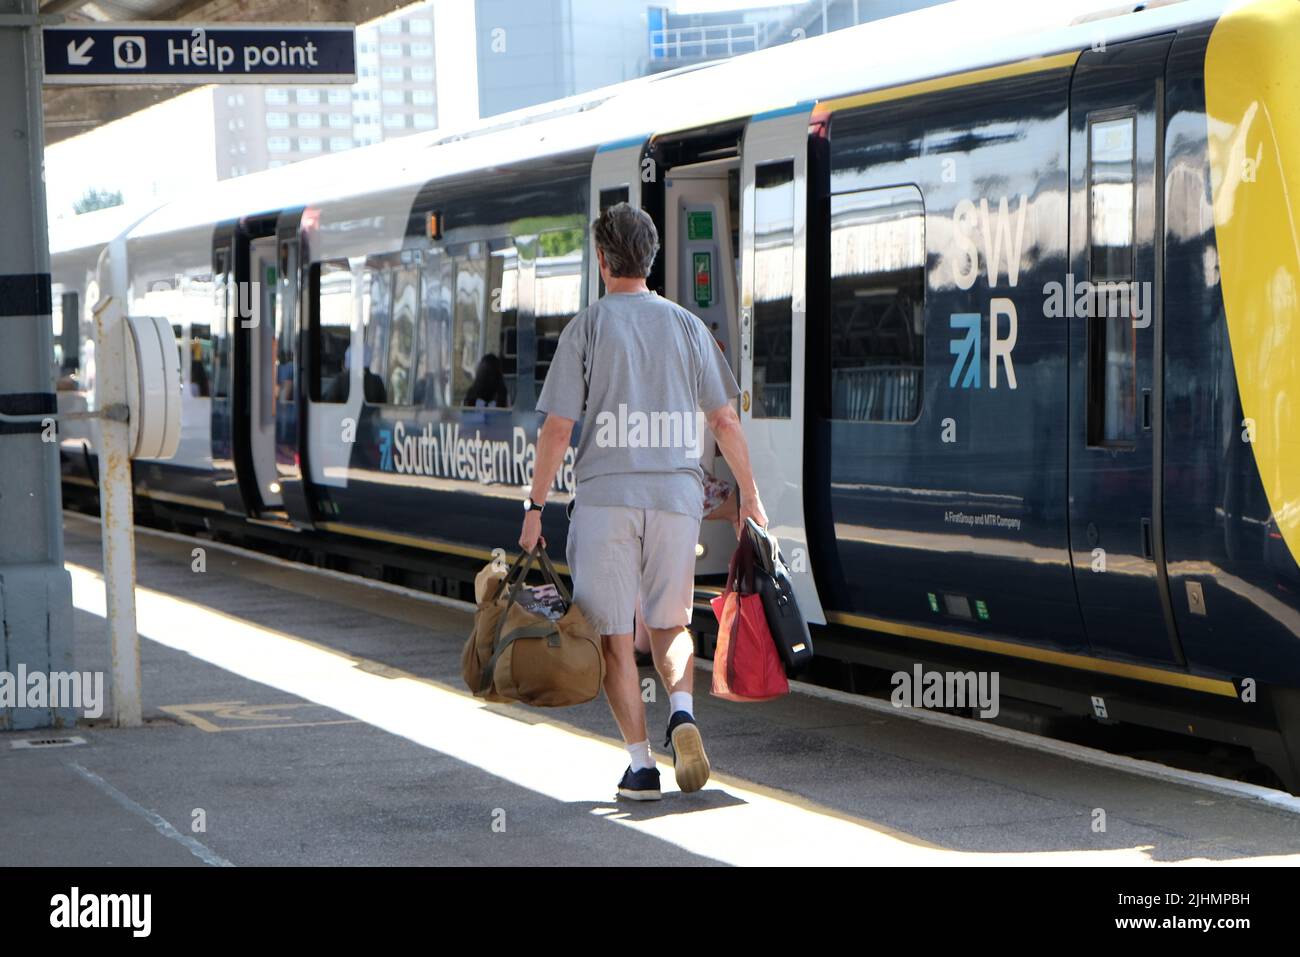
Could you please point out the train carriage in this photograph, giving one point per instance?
(1012, 306)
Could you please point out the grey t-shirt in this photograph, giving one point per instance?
(634, 368)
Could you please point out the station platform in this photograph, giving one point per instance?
(306, 717)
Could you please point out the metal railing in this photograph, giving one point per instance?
(707, 42)
(876, 393)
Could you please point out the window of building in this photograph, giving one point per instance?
(422, 74)
(877, 299)
(422, 50)
(307, 96)
(422, 97)
(390, 26)
(309, 144)
(340, 143)
(424, 121)
(340, 95)
(277, 144)
(331, 329)
(394, 97)
(420, 26)
(309, 121)
(390, 49)
(1112, 337)
(392, 74)
(340, 121)
(773, 288)
(394, 121)
(557, 291)
(275, 95)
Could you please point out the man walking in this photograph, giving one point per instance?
(634, 368)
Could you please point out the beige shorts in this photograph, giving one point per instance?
(617, 553)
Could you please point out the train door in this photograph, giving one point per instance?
(615, 178)
(774, 163)
(263, 296)
(701, 230)
(1112, 300)
(288, 381)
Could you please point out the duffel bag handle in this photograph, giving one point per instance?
(551, 576)
(515, 576)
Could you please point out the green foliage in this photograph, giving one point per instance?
(95, 198)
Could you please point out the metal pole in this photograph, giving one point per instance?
(115, 493)
(35, 590)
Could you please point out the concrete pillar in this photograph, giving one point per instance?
(35, 590)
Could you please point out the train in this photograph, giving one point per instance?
(1012, 301)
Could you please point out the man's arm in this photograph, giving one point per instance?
(552, 442)
(726, 429)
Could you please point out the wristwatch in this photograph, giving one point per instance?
(531, 506)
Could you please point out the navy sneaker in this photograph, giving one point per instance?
(640, 785)
(689, 760)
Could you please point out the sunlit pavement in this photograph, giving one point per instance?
(301, 720)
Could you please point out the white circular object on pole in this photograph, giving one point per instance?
(153, 379)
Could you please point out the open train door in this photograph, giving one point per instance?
(774, 162)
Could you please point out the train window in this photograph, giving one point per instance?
(69, 327)
(773, 288)
(610, 197)
(224, 325)
(179, 332)
(399, 377)
(1112, 338)
(331, 330)
(500, 368)
(471, 332)
(557, 291)
(433, 357)
(877, 301)
(200, 362)
(377, 294)
(285, 325)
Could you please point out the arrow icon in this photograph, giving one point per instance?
(77, 53)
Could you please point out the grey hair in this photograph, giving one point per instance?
(629, 240)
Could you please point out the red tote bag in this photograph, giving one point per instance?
(746, 664)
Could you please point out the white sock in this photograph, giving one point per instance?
(640, 754)
(680, 701)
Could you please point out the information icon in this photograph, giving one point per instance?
(128, 52)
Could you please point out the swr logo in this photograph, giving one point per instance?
(966, 347)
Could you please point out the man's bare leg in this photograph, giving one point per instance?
(674, 654)
(623, 687)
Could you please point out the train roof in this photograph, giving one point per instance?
(948, 39)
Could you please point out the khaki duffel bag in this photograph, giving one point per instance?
(515, 654)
